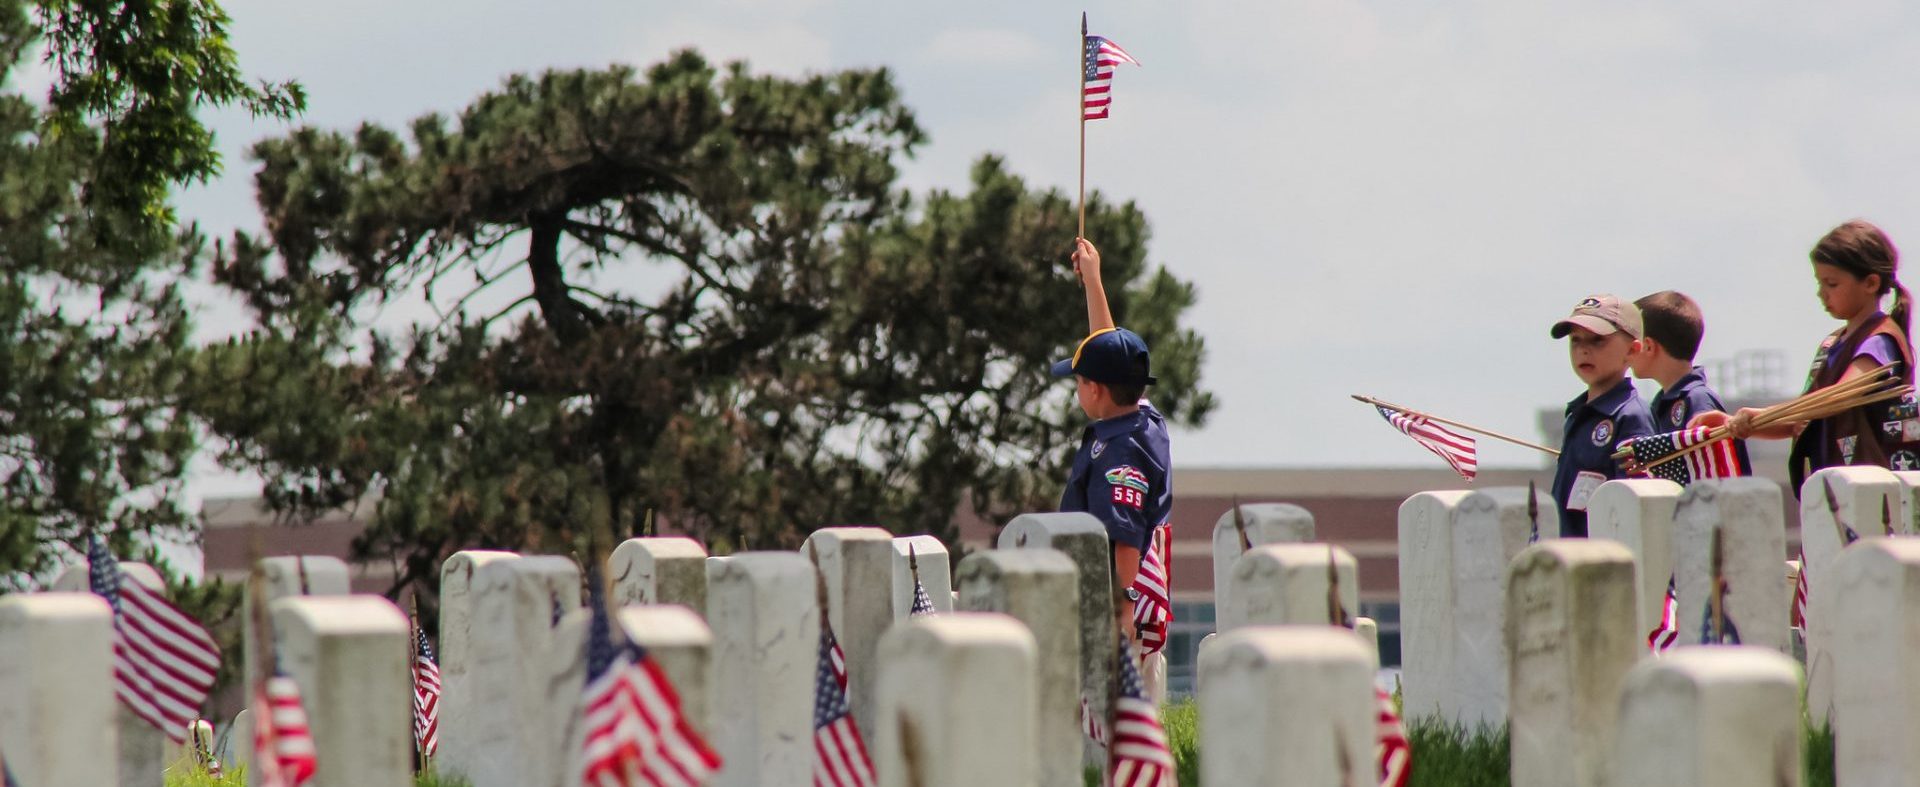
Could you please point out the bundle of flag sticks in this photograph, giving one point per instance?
(1876, 386)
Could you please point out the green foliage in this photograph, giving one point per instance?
(1450, 755)
(1816, 752)
(1181, 719)
(93, 329)
(828, 348)
(191, 776)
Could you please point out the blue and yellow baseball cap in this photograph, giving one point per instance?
(1115, 356)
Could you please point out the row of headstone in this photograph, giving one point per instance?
(1587, 703)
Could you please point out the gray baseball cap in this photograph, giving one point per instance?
(1603, 314)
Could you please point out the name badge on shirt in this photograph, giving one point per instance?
(1583, 485)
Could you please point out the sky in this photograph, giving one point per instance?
(1391, 198)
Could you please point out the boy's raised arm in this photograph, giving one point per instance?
(1086, 262)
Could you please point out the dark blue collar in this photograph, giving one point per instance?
(1109, 428)
(1693, 377)
(1609, 403)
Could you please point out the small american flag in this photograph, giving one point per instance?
(839, 755)
(426, 695)
(837, 661)
(164, 663)
(283, 750)
(1395, 754)
(1457, 449)
(1090, 724)
(1799, 619)
(1096, 84)
(1729, 633)
(1716, 460)
(1668, 629)
(922, 603)
(1153, 614)
(1140, 757)
(635, 733)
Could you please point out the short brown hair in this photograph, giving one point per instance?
(1124, 394)
(1673, 319)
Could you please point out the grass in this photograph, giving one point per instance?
(187, 775)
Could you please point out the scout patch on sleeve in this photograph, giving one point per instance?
(1846, 446)
(1678, 415)
(1129, 486)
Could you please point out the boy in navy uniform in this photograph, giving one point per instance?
(1674, 328)
(1122, 474)
(1601, 334)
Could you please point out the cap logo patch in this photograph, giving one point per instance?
(1679, 413)
(1603, 432)
(1589, 303)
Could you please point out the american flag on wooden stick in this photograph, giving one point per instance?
(1662, 637)
(1153, 614)
(635, 732)
(922, 603)
(164, 663)
(839, 754)
(1098, 57)
(1394, 753)
(283, 751)
(1655, 453)
(1456, 449)
(426, 695)
(1139, 757)
(1799, 615)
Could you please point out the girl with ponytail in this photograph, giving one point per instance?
(1855, 266)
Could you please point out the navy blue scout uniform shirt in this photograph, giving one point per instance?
(1594, 429)
(1121, 475)
(1690, 396)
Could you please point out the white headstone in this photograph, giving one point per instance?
(1491, 526)
(1263, 523)
(1571, 629)
(1287, 705)
(1426, 604)
(766, 639)
(1369, 631)
(1756, 538)
(1876, 695)
(459, 699)
(1721, 716)
(57, 707)
(935, 574)
(1038, 587)
(1084, 540)
(144, 749)
(324, 575)
(510, 674)
(662, 570)
(350, 657)
(1638, 512)
(958, 703)
(856, 562)
(1868, 502)
(1280, 584)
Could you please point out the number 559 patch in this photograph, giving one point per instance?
(1129, 486)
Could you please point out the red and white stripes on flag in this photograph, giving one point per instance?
(635, 733)
(839, 753)
(1090, 724)
(426, 696)
(164, 663)
(1099, 56)
(1457, 449)
(1668, 629)
(1799, 615)
(1153, 613)
(283, 752)
(1140, 756)
(1394, 753)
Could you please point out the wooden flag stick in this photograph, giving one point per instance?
(1469, 427)
(1080, 109)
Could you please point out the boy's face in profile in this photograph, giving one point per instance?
(1599, 359)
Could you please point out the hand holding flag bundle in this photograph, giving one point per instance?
(1878, 385)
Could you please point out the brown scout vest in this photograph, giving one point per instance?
(1884, 434)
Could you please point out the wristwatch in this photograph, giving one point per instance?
(1133, 594)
